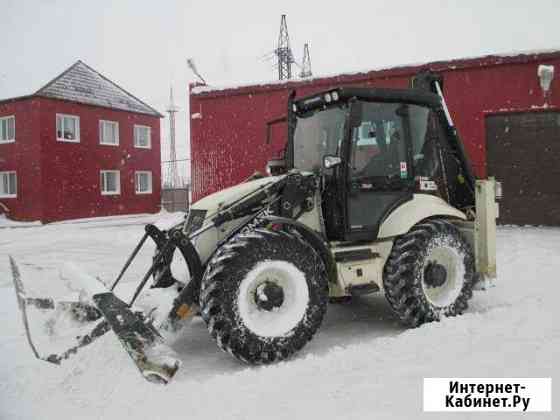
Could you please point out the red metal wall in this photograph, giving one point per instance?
(61, 180)
(228, 127)
(24, 157)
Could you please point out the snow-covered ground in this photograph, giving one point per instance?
(361, 365)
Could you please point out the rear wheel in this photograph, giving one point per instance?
(264, 295)
(429, 273)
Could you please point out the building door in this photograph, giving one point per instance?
(523, 151)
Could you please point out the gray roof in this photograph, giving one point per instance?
(80, 83)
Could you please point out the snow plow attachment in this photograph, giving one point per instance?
(138, 336)
(79, 310)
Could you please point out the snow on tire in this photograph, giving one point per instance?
(429, 273)
(264, 295)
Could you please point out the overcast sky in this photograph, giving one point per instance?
(143, 45)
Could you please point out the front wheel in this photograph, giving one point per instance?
(429, 273)
(264, 295)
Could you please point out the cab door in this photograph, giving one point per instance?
(378, 177)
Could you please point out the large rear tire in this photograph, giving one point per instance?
(429, 273)
(264, 295)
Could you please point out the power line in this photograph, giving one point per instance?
(176, 160)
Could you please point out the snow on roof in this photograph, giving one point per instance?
(80, 83)
(200, 89)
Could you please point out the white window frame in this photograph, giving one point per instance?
(13, 139)
(4, 194)
(136, 127)
(137, 174)
(77, 122)
(102, 184)
(102, 124)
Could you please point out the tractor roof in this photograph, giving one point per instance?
(410, 96)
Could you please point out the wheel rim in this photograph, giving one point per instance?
(273, 298)
(443, 276)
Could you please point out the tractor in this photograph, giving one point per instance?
(374, 194)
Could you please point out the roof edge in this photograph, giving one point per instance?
(438, 65)
(17, 98)
(52, 98)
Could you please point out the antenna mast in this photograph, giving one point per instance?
(306, 63)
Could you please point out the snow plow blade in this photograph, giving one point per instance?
(80, 311)
(139, 337)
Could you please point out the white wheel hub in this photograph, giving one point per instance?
(290, 309)
(445, 265)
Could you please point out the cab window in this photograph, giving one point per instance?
(378, 144)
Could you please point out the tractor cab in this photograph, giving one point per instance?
(374, 149)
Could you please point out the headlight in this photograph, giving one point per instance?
(335, 96)
(294, 107)
(328, 97)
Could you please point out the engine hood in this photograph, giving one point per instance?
(213, 202)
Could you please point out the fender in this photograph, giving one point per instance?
(316, 241)
(422, 206)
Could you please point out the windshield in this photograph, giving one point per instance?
(318, 134)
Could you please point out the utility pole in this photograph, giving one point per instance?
(283, 52)
(306, 63)
(172, 176)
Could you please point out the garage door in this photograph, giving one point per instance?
(523, 151)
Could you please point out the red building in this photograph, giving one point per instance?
(81, 146)
(506, 109)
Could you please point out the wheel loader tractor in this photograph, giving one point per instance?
(374, 195)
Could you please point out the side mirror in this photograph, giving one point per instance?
(330, 161)
(276, 167)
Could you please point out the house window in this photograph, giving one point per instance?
(7, 129)
(110, 183)
(67, 128)
(109, 133)
(8, 184)
(143, 182)
(142, 136)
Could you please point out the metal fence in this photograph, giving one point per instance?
(175, 199)
(175, 188)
